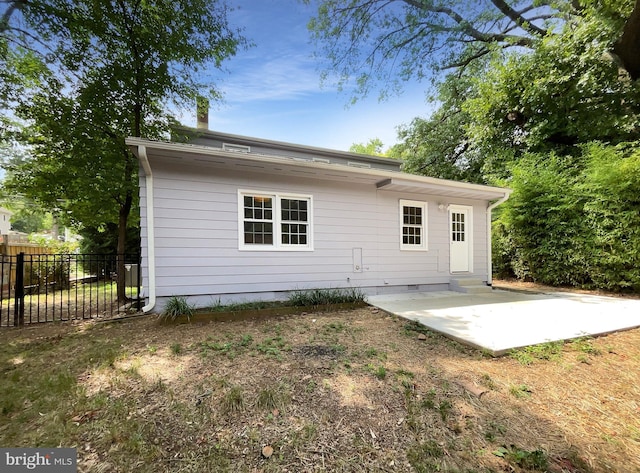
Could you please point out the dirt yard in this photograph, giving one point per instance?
(349, 391)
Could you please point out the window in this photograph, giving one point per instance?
(274, 221)
(413, 225)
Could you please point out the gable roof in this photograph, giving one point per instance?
(214, 157)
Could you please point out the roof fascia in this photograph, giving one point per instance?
(385, 177)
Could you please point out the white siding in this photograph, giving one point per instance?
(196, 238)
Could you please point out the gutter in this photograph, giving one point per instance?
(151, 244)
(490, 208)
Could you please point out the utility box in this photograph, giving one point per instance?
(131, 275)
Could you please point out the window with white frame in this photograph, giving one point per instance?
(272, 221)
(413, 225)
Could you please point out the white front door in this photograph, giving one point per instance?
(460, 226)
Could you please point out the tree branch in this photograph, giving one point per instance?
(13, 6)
(517, 18)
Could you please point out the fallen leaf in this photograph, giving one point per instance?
(267, 451)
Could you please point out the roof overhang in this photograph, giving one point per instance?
(197, 155)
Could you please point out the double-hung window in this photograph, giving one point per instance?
(273, 221)
(413, 225)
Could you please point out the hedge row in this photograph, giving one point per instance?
(573, 220)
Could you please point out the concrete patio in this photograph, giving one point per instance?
(499, 321)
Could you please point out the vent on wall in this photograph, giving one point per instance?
(237, 148)
(359, 165)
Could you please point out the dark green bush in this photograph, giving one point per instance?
(573, 220)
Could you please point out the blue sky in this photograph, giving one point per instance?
(273, 90)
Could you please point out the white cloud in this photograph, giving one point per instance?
(281, 77)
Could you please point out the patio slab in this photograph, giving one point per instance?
(500, 320)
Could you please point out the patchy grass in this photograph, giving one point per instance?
(349, 392)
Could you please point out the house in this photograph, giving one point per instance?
(231, 218)
(5, 221)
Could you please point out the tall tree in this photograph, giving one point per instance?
(373, 147)
(439, 146)
(373, 42)
(115, 68)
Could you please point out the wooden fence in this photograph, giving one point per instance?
(9, 248)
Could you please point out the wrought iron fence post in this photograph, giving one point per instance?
(18, 314)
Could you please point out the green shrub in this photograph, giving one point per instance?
(176, 307)
(573, 220)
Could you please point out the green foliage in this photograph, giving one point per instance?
(177, 307)
(439, 146)
(374, 147)
(377, 41)
(103, 240)
(30, 219)
(549, 351)
(574, 220)
(273, 397)
(520, 391)
(535, 460)
(233, 400)
(379, 371)
(320, 297)
(113, 69)
(423, 457)
(550, 99)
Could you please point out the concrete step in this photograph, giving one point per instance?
(469, 286)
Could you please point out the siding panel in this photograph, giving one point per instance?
(197, 251)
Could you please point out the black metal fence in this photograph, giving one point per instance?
(57, 287)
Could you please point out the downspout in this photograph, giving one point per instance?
(490, 208)
(151, 244)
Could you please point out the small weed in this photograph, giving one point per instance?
(176, 348)
(423, 457)
(233, 400)
(487, 382)
(375, 353)
(406, 380)
(272, 397)
(493, 431)
(335, 327)
(338, 348)
(272, 347)
(152, 349)
(227, 348)
(405, 374)
(531, 460)
(550, 351)
(585, 345)
(429, 401)
(520, 391)
(176, 307)
(311, 386)
(246, 340)
(444, 408)
(379, 372)
(309, 431)
(413, 326)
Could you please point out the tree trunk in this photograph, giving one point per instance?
(627, 48)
